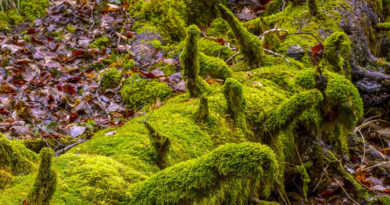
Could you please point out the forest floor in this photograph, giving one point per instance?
(49, 87)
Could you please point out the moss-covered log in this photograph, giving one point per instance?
(190, 60)
(45, 182)
(250, 46)
(228, 175)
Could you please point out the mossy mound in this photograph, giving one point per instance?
(100, 43)
(14, 13)
(5, 178)
(214, 67)
(138, 92)
(111, 79)
(15, 157)
(215, 49)
(229, 174)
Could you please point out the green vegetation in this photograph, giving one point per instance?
(250, 46)
(384, 26)
(337, 48)
(110, 79)
(215, 49)
(214, 67)
(229, 174)
(236, 102)
(137, 92)
(313, 7)
(100, 43)
(46, 180)
(14, 12)
(190, 58)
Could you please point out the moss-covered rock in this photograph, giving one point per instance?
(229, 174)
(14, 157)
(215, 49)
(5, 178)
(190, 57)
(45, 182)
(214, 67)
(110, 79)
(250, 46)
(337, 48)
(305, 79)
(138, 92)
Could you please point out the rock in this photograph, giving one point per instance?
(181, 87)
(19, 131)
(76, 131)
(175, 78)
(296, 52)
(368, 86)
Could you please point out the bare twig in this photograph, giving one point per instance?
(377, 165)
(276, 54)
(342, 188)
(231, 57)
(58, 153)
(271, 31)
(319, 181)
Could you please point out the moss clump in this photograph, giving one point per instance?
(33, 9)
(313, 7)
(10, 17)
(137, 91)
(164, 17)
(218, 28)
(229, 174)
(70, 28)
(100, 43)
(14, 157)
(236, 103)
(256, 26)
(288, 110)
(306, 79)
(160, 146)
(215, 49)
(190, 59)
(203, 113)
(250, 46)
(342, 95)
(5, 178)
(110, 79)
(45, 182)
(128, 64)
(214, 67)
(384, 26)
(337, 48)
(200, 12)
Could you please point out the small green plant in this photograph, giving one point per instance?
(45, 182)
(100, 43)
(111, 79)
(70, 28)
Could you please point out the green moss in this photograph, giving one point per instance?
(218, 28)
(214, 67)
(256, 26)
(344, 96)
(46, 180)
(203, 113)
(337, 48)
(305, 79)
(5, 178)
(136, 91)
(160, 146)
(190, 58)
(384, 26)
(228, 174)
(70, 28)
(288, 110)
(305, 179)
(14, 157)
(33, 9)
(165, 17)
(272, 41)
(385, 200)
(236, 103)
(110, 79)
(215, 49)
(200, 12)
(100, 43)
(250, 46)
(10, 17)
(313, 7)
(93, 179)
(36, 145)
